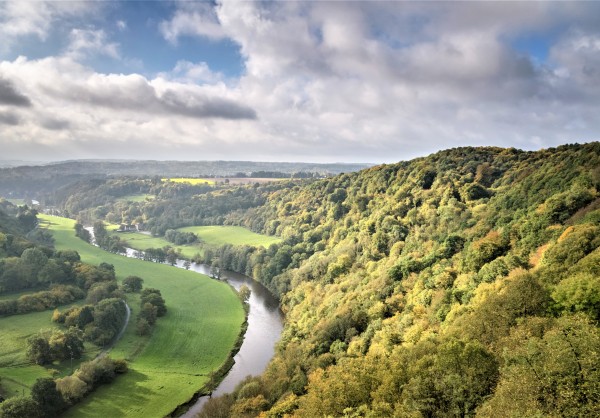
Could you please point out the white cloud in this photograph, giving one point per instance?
(36, 18)
(329, 81)
(189, 72)
(83, 42)
(192, 19)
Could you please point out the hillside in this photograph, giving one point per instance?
(460, 284)
(35, 181)
(464, 283)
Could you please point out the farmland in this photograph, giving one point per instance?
(191, 180)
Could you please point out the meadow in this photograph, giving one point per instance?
(235, 235)
(142, 241)
(195, 337)
(210, 235)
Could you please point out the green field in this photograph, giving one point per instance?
(210, 235)
(140, 241)
(17, 374)
(194, 338)
(236, 235)
(191, 180)
(17, 202)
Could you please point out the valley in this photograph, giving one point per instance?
(442, 286)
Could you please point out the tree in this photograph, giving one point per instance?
(579, 293)
(72, 388)
(148, 313)
(132, 284)
(215, 269)
(48, 398)
(244, 293)
(38, 349)
(154, 297)
(19, 407)
(142, 327)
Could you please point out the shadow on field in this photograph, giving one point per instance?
(126, 390)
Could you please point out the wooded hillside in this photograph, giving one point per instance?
(463, 283)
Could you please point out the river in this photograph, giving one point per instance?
(265, 323)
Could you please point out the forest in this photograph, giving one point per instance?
(461, 284)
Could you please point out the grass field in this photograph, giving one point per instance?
(142, 242)
(17, 202)
(194, 338)
(236, 235)
(191, 180)
(17, 374)
(210, 235)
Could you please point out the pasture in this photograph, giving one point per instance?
(210, 235)
(195, 337)
(235, 235)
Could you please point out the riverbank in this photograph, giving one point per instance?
(218, 375)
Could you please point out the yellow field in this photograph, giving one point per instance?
(190, 180)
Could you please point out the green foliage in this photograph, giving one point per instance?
(154, 298)
(19, 407)
(47, 397)
(40, 301)
(38, 349)
(436, 252)
(46, 347)
(579, 293)
(550, 369)
(132, 284)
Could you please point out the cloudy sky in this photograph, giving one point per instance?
(322, 81)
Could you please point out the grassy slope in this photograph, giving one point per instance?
(193, 339)
(236, 235)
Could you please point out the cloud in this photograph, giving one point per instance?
(62, 83)
(10, 96)
(90, 41)
(331, 81)
(20, 19)
(189, 72)
(192, 19)
(9, 118)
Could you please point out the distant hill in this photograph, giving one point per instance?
(28, 181)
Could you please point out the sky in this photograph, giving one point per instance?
(315, 81)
